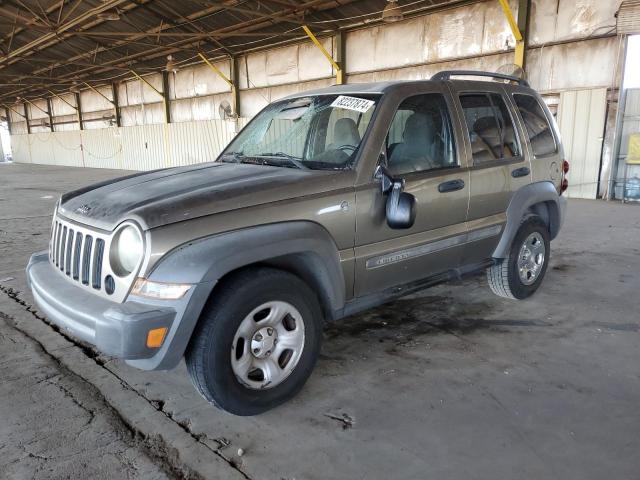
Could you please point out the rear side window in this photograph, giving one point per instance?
(491, 131)
(538, 127)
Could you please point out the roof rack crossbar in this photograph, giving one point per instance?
(447, 74)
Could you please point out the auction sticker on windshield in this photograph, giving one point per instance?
(352, 103)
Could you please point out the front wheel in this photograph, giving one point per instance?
(257, 341)
(520, 274)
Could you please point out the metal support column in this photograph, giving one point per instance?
(341, 58)
(524, 12)
(235, 90)
(26, 117)
(79, 110)
(116, 104)
(50, 111)
(7, 113)
(165, 96)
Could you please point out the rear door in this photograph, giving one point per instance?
(422, 148)
(499, 163)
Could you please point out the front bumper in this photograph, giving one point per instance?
(116, 329)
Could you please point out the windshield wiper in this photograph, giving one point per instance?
(293, 160)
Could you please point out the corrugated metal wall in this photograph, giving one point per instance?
(581, 118)
(139, 147)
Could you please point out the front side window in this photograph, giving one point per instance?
(538, 127)
(320, 132)
(491, 131)
(420, 137)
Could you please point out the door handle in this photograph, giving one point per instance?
(520, 172)
(451, 186)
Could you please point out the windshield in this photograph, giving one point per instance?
(319, 132)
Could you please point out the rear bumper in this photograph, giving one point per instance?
(117, 329)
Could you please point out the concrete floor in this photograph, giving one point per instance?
(452, 383)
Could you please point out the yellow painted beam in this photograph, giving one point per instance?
(339, 74)
(513, 23)
(100, 93)
(62, 99)
(216, 69)
(14, 111)
(34, 105)
(148, 84)
(519, 58)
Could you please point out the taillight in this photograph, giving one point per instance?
(564, 185)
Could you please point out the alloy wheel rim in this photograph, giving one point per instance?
(268, 345)
(531, 258)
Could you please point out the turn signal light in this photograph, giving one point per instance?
(565, 167)
(155, 337)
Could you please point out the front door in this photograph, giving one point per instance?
(422, 148)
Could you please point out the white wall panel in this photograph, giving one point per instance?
(145, 114)
(586, 64)
(478, 29)
(197, 142)
(254, 100)
(60, 107)
(559, 20)
(102, 148)
(140, 147)
(20, 148)
(423, 72)
(66, 123)
(93, 102)
(145, 147)
(199, 80)
(137, 91)
(581, 118)
(312, 64)
(36, 108)
(67, 148)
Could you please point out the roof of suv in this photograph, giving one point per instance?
(385, 87)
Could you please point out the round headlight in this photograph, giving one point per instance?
(126, 251)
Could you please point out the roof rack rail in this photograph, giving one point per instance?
(447, 74)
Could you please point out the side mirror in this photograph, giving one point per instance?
(401, 206)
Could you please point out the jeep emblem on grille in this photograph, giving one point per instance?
(83, 209)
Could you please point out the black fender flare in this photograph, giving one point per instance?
(302, 246)
(209, 259)
(540, 198)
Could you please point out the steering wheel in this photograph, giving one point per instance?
(353, 148)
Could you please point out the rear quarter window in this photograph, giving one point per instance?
(490, 127)
(537, 125)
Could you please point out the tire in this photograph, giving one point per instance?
(504, 277)
(225, 338)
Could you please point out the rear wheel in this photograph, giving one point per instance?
(257, 341)
(520, 274)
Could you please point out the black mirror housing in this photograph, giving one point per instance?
(401, 208)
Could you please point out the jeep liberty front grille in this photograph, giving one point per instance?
(77, 252)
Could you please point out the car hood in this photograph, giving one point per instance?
(167, 196)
